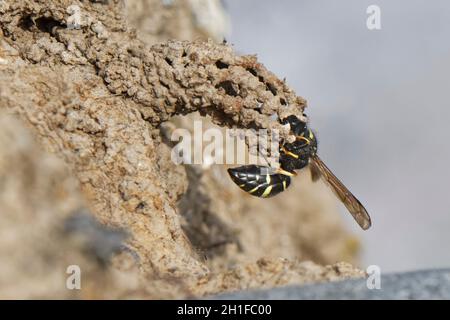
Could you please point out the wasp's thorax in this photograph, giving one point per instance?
(296, 155)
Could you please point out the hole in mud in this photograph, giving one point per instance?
(26, 23)
(271, 88)
(169, 62)
(221, 65)
(283, 101)
(253, 72)
(165, 85)
(43, 24)
(184, 54)
(47, 24)
(228, 87)
(141, 205)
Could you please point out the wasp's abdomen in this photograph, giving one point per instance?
(258, 181)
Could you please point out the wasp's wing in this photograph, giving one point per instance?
(315, 172)
(353, 205)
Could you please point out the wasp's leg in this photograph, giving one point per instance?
(291, 162)
(260, 181)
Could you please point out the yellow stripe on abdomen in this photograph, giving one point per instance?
(266, 192)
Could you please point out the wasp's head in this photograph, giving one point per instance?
(306, 140)
(312, 141)
(296, 125)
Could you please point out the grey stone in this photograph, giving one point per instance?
(425, 284)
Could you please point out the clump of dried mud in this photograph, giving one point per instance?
(90, 106)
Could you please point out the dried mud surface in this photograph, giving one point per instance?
(83, 120)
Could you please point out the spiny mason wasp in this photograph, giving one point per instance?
(265, 182)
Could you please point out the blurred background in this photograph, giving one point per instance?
(379, 102)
